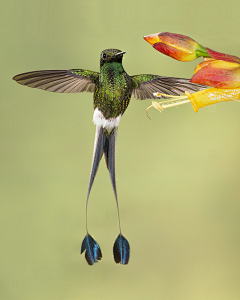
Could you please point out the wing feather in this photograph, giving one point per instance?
(145, 85)
(60, 81)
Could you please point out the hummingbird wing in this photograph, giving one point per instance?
(145, 85)
(60, 81)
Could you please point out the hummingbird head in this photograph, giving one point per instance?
(111, 55)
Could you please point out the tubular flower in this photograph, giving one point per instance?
(212, 96)
(198, 100)
(177, 46)
(218, 73)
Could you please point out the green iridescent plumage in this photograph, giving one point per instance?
(114, 87)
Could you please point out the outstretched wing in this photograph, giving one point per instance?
(145, 85)
(60, 81)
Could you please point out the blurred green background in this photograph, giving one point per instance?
(177, 175)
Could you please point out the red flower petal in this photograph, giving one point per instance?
(179, 41)
(174, 52)
(222, 56)
(219, 74)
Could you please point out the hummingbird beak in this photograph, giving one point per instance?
(120, 53)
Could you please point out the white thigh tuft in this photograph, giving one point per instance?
(109, 124)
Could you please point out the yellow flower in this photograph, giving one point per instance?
(198, 100)
(212, 96)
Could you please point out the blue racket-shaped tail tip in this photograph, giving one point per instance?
(93, 252)
(121, 250)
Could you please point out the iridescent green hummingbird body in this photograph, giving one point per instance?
(112, 89)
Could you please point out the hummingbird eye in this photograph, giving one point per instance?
(104, 55)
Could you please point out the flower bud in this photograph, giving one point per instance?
(177, 46)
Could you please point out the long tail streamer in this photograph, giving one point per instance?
(121, 248)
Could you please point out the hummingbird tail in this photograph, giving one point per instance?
(110, 156)
(107, 146)
(121, 248)
(97, 155)
(93, 252)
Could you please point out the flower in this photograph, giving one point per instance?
(177, 46)
(212, 96)
(219, 71)
(218, 74)
(198, 99)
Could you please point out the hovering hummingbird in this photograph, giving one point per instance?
(112, 88)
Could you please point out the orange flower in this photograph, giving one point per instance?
(177, 46)
(218, 73)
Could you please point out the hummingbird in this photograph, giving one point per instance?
(112, 89)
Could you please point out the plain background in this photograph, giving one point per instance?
(177, 175)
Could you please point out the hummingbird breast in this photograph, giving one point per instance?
(113, 90)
